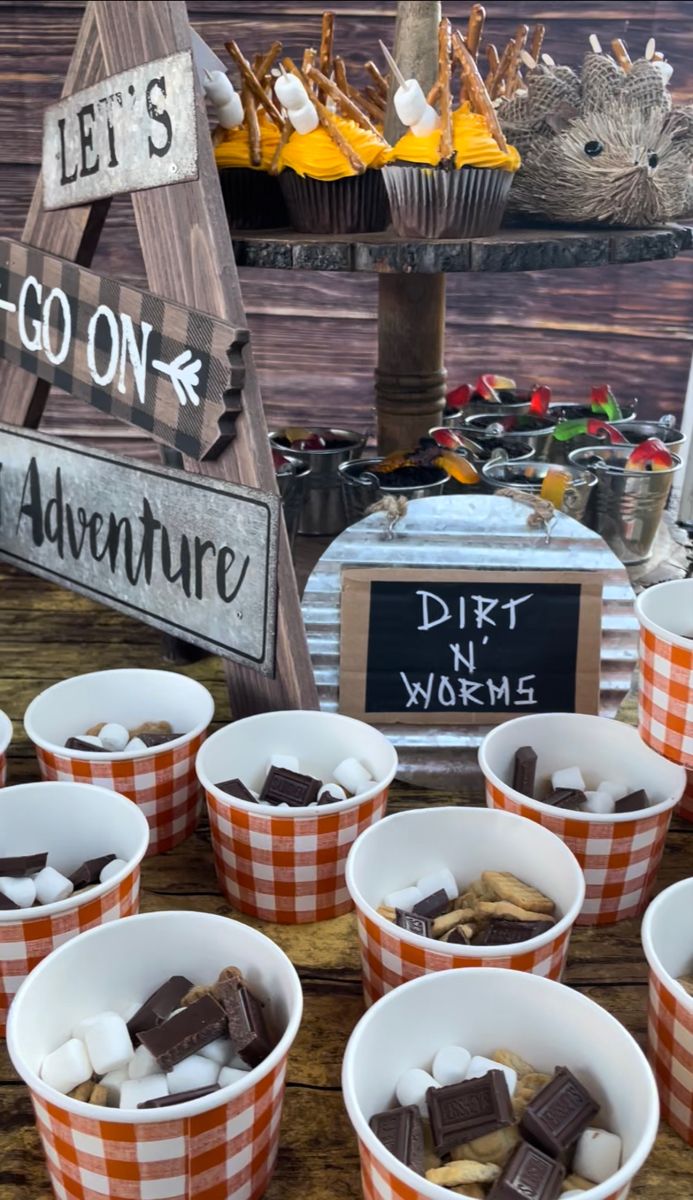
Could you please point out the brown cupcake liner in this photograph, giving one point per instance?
(357, 204)
(252, 199)
(429, 202)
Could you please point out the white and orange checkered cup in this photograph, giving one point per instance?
(73, 822)
(221, 1145)
(402, 848)
(619, 853)
(548, 1024)
(668, 945)
(665, 696)
(160, 780)
(5, 739)
(288, 864)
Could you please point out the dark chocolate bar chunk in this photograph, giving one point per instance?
(524, 770)
(566, 798)
(234, 787)
(159, 1005)
(90, 870)
(464, 1111)
(247, 1027)
(185, 1032)
(401, 1132)
(157, 739)
(502, 932)
(413, 923)
(557, 1115)
(6, 903)
(432, 906)
(457, 937)
(529, 1175)
(288, 787)
(75, 743)
(633, 801)
(23, 864)
(179, 1097)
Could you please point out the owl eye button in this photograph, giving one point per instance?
(593, 148)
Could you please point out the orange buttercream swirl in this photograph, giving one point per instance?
(316, 155)
(234, 150)
(474, 145)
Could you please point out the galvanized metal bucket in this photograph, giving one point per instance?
(292, 486)
(362, 488)
(539, 439)
(474, 408)
(628, 505)
(323, 511)
(559, 451)
(664, 429)
(529, 476)
(476, 449)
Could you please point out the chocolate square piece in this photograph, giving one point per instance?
(289, 787)
(432, 906)
(157, 739)
(557, 1115)
(401, 1132)
(185, 1032)
(524, 770)
(179, 1097)
(502, 932)
(530, 1175)
(75, 743)
(17, 865)
(6, 903)
(234, 787)
(467, 1110)
(90, 870)
(246, 1021)
(413, 923)
(159, 1005)
(566, 798)
(632, 802)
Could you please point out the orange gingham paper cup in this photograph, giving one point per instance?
(546, 1023)
(668, 945)
(73, 822)
(288, 865)
(220, 1146)
(161, 781)
(620, 853)
(5, 739)
(401, 849)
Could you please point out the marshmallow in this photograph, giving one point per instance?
(192, 1072)
(597, 1155)
(229, 1075)
(219, 1051)
(427, 123)
(569, 777)
(135, 744)
(67, 1067)
(450, 1065)
(107, 1040)
(51, 886)
(304, 119)
(113, 1082)
(114, 737)
(290, 92)
(237, 1064)
(614, 787)
(412, 1087)
(481, 1066)
(230, 115)
(112, 868)
(410, 102)
(442, 880)
(19, 891)
(141, 1064)
(333, 790)
(599, 802)
(136, 1091)
(405, 898)
(352, 775)
(284, 762)
(218, 87)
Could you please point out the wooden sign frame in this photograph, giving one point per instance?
(192, 265)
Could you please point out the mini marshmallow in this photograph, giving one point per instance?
(450, 1065)
(67, 1067)
(410, 102)
(135, 744)
(136, 1091)
(598, 802)
(481, 1066)
(114, 736)
(304, 119)
(352, 775)
(333, 790)
(229, 1075)
(428, 122)
(108, 1042)
(112, 868)
(284, 762)
(51, 886)
(290, 92)
(237, 1064)
(141, 1064)
(218, 87)
(568, 777)
(192, 1072)
(19, 891)
(230, 115)
(405, 898)
(219, 1051)
(597, 1155)
(442, 880)
(412, 1086)
(113, 1082)
(614, 787)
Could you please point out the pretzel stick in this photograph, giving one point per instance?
(374, 96)
(497, 83)
(511, 78)
(330, 88)
(538, 35)
(444, 51)
(251, 84)
(250, 110)
(379, 80)
(620, 53)
(287, 130)
(435, 93)
(309, 56)
(375, 111)
(326, 45)
(493, 62)
(475, 28)
(478, 95)
(327, 122)
(268, 60)
(340, 75)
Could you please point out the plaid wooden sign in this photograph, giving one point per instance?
(173, 373)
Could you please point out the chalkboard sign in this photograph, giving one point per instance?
(456, 647)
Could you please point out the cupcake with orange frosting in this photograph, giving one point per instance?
(251, 191)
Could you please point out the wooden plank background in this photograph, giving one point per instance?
(314, 333)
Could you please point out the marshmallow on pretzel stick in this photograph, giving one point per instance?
(411, 105)
(326, 120)
(348, 107)
(291, 92)
(253, 85)
(228, 106)
(444, 52)
(478, 95)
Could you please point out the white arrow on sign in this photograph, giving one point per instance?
(184, 375)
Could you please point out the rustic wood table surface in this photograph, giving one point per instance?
(47, 634)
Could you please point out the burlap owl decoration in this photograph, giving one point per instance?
(603, 147)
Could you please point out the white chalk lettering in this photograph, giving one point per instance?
(426, 621)
(60, 355)
(105, 377)
(136, 355)
(446, 693)
(462, 661)
(499, 692)
(484, 606)
(511, 605)
(524, 690)
(418, 691)
(468, 690)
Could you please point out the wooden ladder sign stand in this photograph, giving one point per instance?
(175, 361)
